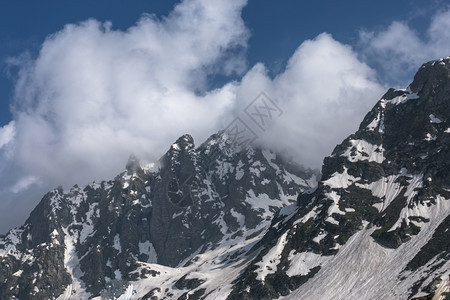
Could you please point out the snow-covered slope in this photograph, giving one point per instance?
(377, 226)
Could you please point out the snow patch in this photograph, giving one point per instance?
(263, 203)
(430, 137)
(148, 249)
(311, 214)
(302, 263)
(118, 274)
(268, 264)
(117, 243)
(434, 119)
(240, 218)
(340, 180)
(88, 225)
(362, 150)
(402, 98)
(331, 221)
(375, 122)
(320, 237)
(239, 171)
(72, 264)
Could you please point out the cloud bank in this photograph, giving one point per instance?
(94, 95)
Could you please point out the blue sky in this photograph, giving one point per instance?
(76, 100)
(277, 27)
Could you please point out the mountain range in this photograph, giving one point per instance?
(216, 222)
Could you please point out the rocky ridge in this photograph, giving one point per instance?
(379, 216)
(92, 241)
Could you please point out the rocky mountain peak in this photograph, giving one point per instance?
(383, 202)
(430, 75)
(185, 142)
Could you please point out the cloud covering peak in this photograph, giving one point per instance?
(95, 94)
(323, 85)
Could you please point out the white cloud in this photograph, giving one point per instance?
(7, 134)
(400, 50)
(95, 95)
(324, 93)
(23, 184)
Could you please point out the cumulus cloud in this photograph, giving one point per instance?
(94, 95)
(399, 50)
(324, 93)
(7, 134)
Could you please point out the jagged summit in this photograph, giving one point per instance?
(431, 75)
(202, 209)
(186, 142)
